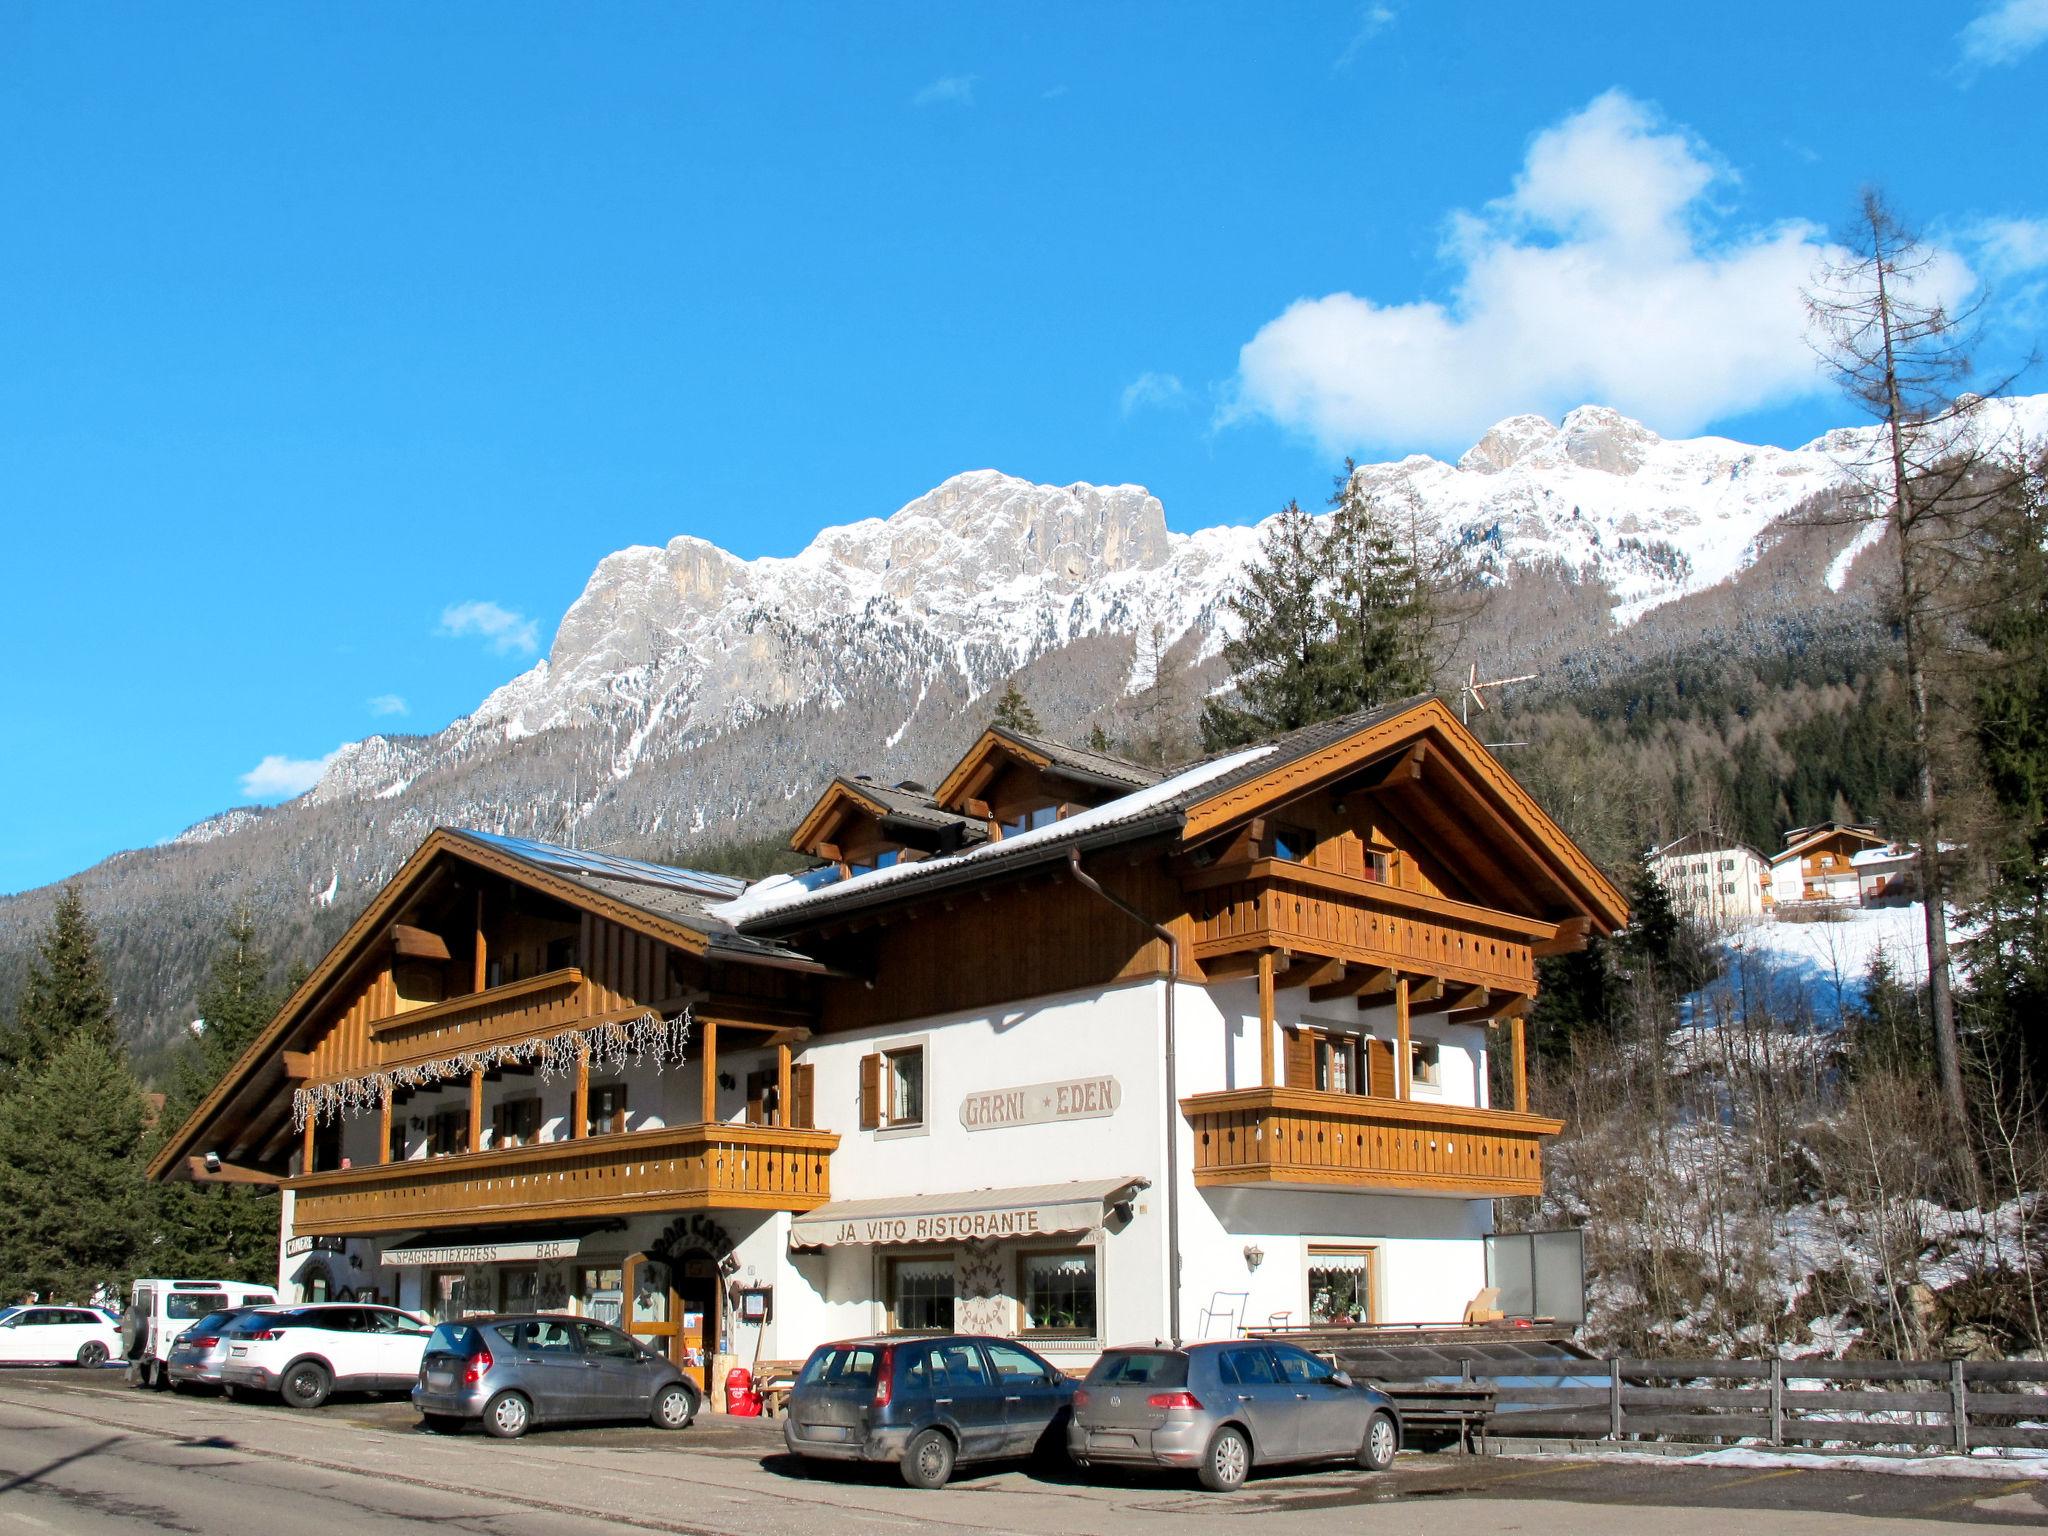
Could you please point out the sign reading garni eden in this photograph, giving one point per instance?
(483, 1253)
(1077, 1098)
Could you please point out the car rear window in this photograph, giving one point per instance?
(187, 1305)
(213, 1322)
(250, 1322)
(455, 1339)
(1141, 1368)
(840, 1365)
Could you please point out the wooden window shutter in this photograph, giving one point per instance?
(870, 1092)
(1379, 1068)
(1301, 1058)
(803, 1095)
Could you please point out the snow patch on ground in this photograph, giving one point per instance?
(1813, 970)
(1978, 1463)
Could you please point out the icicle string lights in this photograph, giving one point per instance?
(610, 1047)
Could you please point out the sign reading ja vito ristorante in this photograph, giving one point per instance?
(1077, 1098)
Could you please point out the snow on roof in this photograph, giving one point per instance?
(1883, 855)
(781, 894)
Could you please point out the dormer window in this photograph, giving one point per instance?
(868, 863)
(1031, 820)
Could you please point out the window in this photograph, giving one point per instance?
(841, 1365)
(1338, 1065)
(921, 1295)
(953, 1366)
(516, 1123)
(518, 1289)
(1339, 1285)
(903, 1076)
(1292, 844)
(448, 1133)
(1018, 1365)
(1059, 1292)
(1298, 1365)
(541, 1336)
(1247, 1367)
(447, 1294)
(607, 1343)
(607, 1109)
(1029, 820)
(1425, 1067)
(602, 1288)
(397, 1145)
(867, 864)
(764, 1098)
(1378, 865)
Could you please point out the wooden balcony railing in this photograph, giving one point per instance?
(516, 1010)
(1292, 1136)
(1274, 903)
(684, 1167)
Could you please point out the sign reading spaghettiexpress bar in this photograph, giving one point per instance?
(1077, 1098)
(483, 1253)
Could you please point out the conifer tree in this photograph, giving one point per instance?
(1282, 655)
(1014, 713)
(224, 1231)
(71, 1192)
(66, 994)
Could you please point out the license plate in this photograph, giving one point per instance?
(1098, 1441)
(440, 1378)
(824, 1431)
(238, 1350)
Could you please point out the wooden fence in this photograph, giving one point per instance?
(1951, 1405)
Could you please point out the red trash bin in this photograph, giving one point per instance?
(740, 1397)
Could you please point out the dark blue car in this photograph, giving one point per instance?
(928, 1404)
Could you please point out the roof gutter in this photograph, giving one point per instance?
(1172, 940)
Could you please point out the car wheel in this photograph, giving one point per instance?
(1227, 1462)
(441, 1423)
(674, 1407)
(92, 1354)
(508, 1416)
(928, 1459)
(306, 1384)
(1381, 1441)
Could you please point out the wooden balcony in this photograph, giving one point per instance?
(1277, 904)
(679, 1168)
(1292, 1136)
(517, 1010)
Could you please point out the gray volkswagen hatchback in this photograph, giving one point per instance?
(1220, 1408)
(928, 1404)
(514, 1372)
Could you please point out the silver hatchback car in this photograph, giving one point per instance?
(514, 1372)
(1221, 1407)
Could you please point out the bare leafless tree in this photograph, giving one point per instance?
(1905, 356)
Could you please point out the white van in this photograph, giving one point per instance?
(160, 1310)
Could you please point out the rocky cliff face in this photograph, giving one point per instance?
(687, 690)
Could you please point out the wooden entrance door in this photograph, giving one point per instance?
(697, 1291)
(650, 1301)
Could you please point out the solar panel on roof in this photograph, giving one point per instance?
(611, 866)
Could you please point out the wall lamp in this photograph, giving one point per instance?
(1254, 1255)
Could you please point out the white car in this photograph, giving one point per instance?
(58, 1336)
(305, 1353)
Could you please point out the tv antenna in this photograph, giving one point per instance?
(1472, 692)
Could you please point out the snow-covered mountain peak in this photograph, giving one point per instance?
(1507, 443)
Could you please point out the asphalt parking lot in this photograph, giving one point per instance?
(730, 1477)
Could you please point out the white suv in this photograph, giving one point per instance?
(305, 1353)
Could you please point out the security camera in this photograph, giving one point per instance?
(213, 1162)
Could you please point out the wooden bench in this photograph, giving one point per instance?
(773, 1380)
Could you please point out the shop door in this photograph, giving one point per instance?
(650, 1302)
(697, 1336)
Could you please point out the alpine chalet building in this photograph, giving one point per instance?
(1012, 1044)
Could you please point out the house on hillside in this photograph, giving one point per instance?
(1817, 864)
(1887, 875)
(1714, 880)
(1008, 1049)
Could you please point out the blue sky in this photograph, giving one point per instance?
(340, 342)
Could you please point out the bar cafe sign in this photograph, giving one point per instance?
(1075, 1098)
(484, 1253)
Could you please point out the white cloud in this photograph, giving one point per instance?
(279, 777)
(2005, 32)
(1374, 17)
(505, 629)
(1153, 389)
(1598, 278)
(948, 91)
(389, 704)
(2010, 246)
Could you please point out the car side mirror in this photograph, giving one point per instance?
(1343, 1379)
